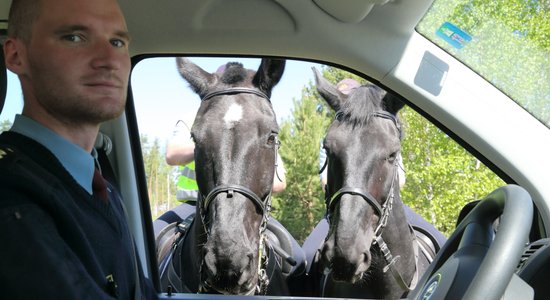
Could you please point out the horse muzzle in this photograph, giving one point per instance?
(344, 266)
(229, 274)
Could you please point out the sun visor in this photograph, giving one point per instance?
(349, 11)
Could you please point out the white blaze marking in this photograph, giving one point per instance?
(233, 114)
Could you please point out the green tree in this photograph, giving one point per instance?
(441, 177)
(5, 125)
(160, 184)
(510, 45)
(301, 206)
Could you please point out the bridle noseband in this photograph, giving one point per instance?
(383, 211)
(230, 189)
(355, 192)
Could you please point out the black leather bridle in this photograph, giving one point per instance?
(263, 204)
(382, 210)
(230, 189)
(235, 90)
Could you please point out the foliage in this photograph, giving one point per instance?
(301, 206)
(510, 45)
(5, 125)
(441, 177)
(160, 183)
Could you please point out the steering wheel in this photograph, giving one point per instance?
(476, 263)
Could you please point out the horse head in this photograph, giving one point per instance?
(362, 145)
(235, 134)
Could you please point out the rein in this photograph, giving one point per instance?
(383, 211)
(230, 189)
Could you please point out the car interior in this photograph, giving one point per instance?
(376, 40)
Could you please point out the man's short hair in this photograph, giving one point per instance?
(23, 14)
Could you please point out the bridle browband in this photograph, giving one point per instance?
(383, 211)
(355, 192)
(230, 189)
(236, 90)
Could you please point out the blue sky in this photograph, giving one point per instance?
(14, 99)
(162, 96)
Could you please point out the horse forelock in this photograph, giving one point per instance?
(234, 73)
(361, 104)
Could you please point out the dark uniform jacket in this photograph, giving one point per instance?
(56, 240)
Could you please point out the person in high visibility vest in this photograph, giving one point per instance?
(187, 188)
(180, 152)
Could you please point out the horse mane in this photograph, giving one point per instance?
(234, 73)
(359, 105)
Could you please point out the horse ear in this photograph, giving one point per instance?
(198, 78)
(392, 103)
(328, 91)
(268, 75)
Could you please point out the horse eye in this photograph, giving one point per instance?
(272, 139)
(392, 157)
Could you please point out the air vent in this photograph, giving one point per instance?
(530, 250)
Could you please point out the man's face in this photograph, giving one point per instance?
(77, 61)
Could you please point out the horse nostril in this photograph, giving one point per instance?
(210, 260)
(366, 257)
(364, 263)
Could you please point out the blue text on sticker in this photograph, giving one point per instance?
(453, 35)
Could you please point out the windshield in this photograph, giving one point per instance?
(506, 42)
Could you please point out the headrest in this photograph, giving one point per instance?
(3, 80)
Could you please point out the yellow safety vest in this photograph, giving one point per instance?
(187, 189)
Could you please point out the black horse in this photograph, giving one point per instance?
(230, 245)
(370, 250)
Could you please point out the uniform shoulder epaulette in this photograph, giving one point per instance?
(7, 154)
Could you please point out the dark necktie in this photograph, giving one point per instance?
(99, 186)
